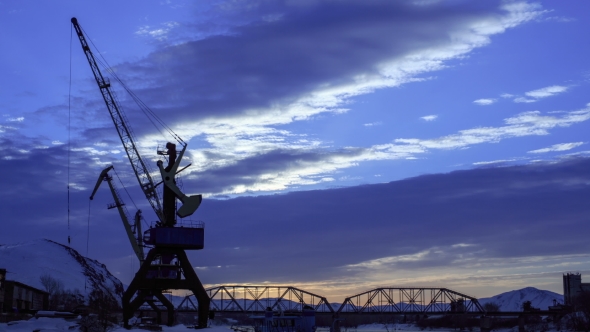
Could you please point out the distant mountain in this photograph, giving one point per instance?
(512, 301)
(27, 262)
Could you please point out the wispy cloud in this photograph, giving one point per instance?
(547, 91)
(159, 33)
(524, 124)
(524, 100)
(535, 95)
(429, 117)
(239, 141)
(242, 130)
(494, 162)
(285, 167)
(558, 147)
(485, 101)
(371, 124)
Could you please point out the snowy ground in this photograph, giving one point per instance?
(59, 324)
(43, 324)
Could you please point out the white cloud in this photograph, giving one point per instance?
(19, 119)
(547, 91)
(558, 147)
(485, 101)
(524, 124)
(494, 162)
(534, 95)
(306, 172)
(561, 19)
(458, 252)
(160, 33)
(378, 123)
(524, 100)
(235, 138)
(429, 117)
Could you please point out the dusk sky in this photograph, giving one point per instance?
(340, 145)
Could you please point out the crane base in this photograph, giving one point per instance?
(164, 268)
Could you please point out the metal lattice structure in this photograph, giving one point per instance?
(411, 300)
(239, 298)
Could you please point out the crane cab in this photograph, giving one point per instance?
(188, 238)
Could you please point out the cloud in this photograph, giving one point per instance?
(547, 91)
(561, 19)
(161, 33)
(524, 100)
(429, 117)
(535, 95)
(506, 95)
(371, 124)
(486, 101)
(558, 147)
(523, 124)
(287, 165)
(436, 213)
(231, 94)
(494, 162)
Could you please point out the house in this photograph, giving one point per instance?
(16, 296)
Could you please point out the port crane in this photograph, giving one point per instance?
(166, 265)
(133, 230)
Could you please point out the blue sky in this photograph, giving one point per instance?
(277, 97)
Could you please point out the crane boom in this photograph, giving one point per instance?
(125, 134)
(135, 242)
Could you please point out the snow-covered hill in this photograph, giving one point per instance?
(27, 262)
(512, 301)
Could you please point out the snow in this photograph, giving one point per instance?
(60, 324)
(26, 262)
(513, 300)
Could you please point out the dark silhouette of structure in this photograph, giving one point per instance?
(166, 265)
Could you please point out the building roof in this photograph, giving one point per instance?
(25, 286)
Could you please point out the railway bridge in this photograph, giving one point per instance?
(380, 305)
(392, 300)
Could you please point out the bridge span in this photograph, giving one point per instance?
(393, 300)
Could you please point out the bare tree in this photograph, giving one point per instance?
(103, 304)
(55, 288)
(491, 307)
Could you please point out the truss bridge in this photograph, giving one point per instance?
(392, 300)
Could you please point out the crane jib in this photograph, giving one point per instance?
(142, 172)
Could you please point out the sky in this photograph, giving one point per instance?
(339, 145)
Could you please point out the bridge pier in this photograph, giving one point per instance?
(485, 324)
(521, 323)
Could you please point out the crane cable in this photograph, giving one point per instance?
(142, 106)
(87, 242)
(127, 192)
(69, 132)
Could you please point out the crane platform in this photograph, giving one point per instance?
(176, 237)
